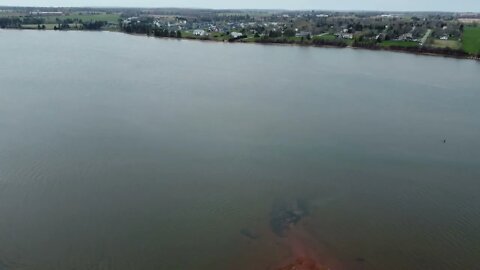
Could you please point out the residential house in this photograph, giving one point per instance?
(199, 33)
(303, 34)
(236, 34)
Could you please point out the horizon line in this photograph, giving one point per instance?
(245, 9)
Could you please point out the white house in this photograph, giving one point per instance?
(347, 36)
(303, 34)
(130, 20)
(199, 32)
(236, 34)
(407, 36)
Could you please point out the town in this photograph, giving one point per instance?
(455, 34)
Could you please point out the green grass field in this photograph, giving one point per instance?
(471, 40)
(391, 43)
(219, 36)
(325, 37)
(187, 34)
(452, 44)
(35, 26)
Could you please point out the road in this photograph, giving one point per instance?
(425, 37)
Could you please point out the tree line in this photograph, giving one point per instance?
(367, 44)
(89, 25)
(148, 29)
(16, 22)
(10, 22)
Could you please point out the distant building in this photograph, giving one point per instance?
(303, 34)
(347, 36)
(199, 33)
(130, 20)
(46, 13)
(406, 37)
(236, 34)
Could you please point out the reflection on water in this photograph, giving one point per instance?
(124, 152)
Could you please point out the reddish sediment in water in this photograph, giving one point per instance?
(303, 264)
(289, 221)
(304, 254)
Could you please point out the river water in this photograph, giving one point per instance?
(128, 152)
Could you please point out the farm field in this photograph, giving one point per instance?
(471, 40)
(452, 44)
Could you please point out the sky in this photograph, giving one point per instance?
(388, 5)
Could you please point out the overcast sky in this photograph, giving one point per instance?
(394, 5)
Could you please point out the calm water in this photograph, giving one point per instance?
(126, 152)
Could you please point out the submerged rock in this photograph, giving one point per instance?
(3, 266)
(250, 234)
(286, 214)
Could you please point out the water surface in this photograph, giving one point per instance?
(126, 152)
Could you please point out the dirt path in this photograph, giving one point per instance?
(425, 37)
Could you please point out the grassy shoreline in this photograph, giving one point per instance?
(380, 47)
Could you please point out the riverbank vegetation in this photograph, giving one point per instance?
(421, 32)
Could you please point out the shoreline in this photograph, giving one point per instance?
(386, 49)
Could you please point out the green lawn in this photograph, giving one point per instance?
(452, 44)
(220, 36)
(294, 39)
(391, 43)
(325, 37)
(187, 34)
(471, 40)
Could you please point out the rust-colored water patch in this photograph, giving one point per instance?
(304, 253)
